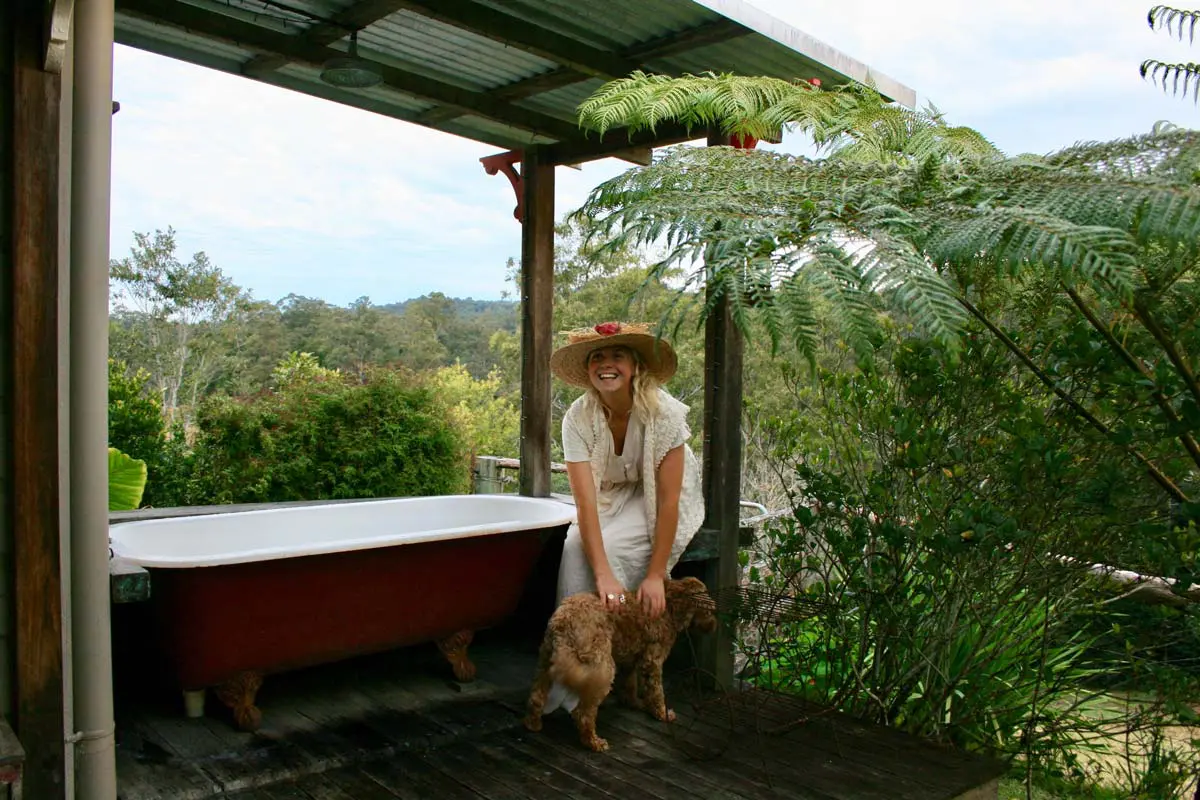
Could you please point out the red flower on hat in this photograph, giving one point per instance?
(608, 328)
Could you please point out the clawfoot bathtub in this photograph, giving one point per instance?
(240, 595)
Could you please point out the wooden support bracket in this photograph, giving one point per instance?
(507, 163)
(58, 31)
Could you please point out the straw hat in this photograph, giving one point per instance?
(569, 362)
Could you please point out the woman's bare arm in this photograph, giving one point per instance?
(579, 473)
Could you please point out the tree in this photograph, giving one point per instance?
(488, 422)
(1174, 20)
(167, 312)
(910, 214)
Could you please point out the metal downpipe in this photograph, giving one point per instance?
(91, 183)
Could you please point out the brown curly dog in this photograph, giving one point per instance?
(585, 645)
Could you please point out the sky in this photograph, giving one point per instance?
(291, 194)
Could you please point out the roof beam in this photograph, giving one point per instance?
(721, 30)
(619, 143)
(356, 17)
(284, 81)
(293, 47)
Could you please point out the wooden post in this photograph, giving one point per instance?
(487, 475)
(722, 478)
(34, 511)
(537, 306)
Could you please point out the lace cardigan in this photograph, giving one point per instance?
(586, 419)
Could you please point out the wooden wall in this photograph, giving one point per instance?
(6, 566)
(30, 410)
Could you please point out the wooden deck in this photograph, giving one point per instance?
(394, 726)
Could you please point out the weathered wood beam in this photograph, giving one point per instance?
(356, 17)
(700, 36)
(246, 34)
(722, 475)
(35, 120)
(616, 142)
(537, 308)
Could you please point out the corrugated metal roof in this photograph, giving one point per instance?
(440, 50)
(507, 72)
(178, 38)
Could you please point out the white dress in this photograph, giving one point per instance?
(620, 504)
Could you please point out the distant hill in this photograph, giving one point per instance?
(492, 313)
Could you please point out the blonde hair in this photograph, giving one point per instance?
(644, 385)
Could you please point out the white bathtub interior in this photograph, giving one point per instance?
(244, 536)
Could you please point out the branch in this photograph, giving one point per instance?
(1179, 360)
(1137, 366)
(1155, 473)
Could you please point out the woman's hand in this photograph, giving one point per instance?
(652, 594)
(611, 591)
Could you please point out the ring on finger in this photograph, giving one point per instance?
(622, 598)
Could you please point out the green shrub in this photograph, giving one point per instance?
(934, 501)
(326, 438)
(135, 427)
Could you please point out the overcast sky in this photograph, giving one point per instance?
(287, 193)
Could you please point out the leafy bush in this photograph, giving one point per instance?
(488, 421)
(135, 427)
(925, 557)
(325, 438)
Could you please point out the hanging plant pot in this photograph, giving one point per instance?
(742, 141)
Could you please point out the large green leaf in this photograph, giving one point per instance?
(126, 481)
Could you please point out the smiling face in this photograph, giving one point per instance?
(611, 370)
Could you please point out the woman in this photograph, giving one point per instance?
(635, 480)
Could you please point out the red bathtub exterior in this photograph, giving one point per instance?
(282, 614)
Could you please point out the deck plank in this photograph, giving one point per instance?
(348, 783)
(493, 781)
(816, 761)
(658, 786)
(262, 765)
(407, 776)
(751, 785)
(556, 782)
(865, 746)
(777, 763)
(614, 778)
(392, 727)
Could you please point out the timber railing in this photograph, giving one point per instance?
(489, 477)
(489, 473)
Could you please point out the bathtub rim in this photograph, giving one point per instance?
(565, 516)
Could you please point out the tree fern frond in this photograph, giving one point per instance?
(854, 117)
(905, 274)
(1175, 152)
(1174, 20)
(836, 277)
(801, 315)
(1019, 238)
(1166, 73)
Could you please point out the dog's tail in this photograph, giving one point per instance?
(584, 665)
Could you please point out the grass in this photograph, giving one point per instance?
(1014, 789)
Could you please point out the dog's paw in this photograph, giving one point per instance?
(664, 715)
(533, 723)
(597, 744)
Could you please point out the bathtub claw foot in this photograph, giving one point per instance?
(238, 694)
(454, 648)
